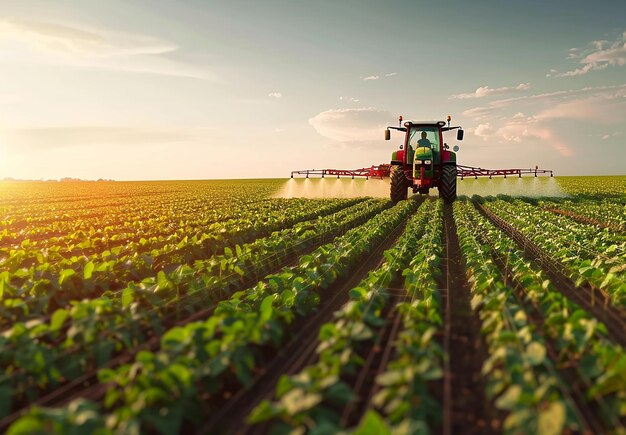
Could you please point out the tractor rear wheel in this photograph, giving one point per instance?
(399, 185)
(447, 184)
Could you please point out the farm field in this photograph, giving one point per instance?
(223, 307)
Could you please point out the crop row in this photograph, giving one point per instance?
(309, 400)
(225, 266)
(21, 199)
(521, 380)
(30, 219)
(64, 227)
(105, 227)
(606, 211)
(594, 187)
(46, 285)
(405, 398)
(40, 355)
(579, 340)
(590, 255)
(145, 235)
(160, 390)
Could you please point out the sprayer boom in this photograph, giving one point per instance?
(383, 171)
(470, 171)
(376, 171)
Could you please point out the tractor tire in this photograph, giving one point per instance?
(447, 184)
(399, 184)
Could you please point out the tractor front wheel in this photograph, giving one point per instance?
(399, 185)
(447, 185)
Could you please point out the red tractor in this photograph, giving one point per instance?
(424, 160)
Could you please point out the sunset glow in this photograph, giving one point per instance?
(155, 90)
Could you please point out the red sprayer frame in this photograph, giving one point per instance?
(383, 170)
(376, 171)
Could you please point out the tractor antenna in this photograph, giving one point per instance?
(449, 119)
(400, 121)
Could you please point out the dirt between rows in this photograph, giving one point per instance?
(466, 408)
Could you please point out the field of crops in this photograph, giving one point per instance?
(216, 307)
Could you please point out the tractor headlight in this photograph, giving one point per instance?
(427, 162)
(419, 162)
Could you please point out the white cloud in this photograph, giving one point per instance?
(350, 125)
(616, 55)
(517, 130)
(544, 134)
(599, 105)
(547, 99)
(84, 46)
(377, 77)
(485, 91)
(578, 71)
(597, 55)
(484, 130)
(610, 135)
(81, 42)
(275, 95)
(503, 121)
(350, 99)
(590, 109)
(551, 72)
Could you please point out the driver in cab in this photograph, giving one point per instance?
(423, 142)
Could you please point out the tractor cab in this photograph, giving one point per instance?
(423, 148)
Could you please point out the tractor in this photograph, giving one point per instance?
(424, 160)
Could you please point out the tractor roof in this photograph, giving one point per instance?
(412, 122)
(407, 124)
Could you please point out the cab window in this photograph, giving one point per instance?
(430, 139)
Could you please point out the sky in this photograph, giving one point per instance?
(205, 89)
